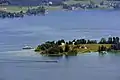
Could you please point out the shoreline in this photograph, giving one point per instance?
(74, 47)
(22, 14)
(79, 52)
(50, 8)
(11, 11)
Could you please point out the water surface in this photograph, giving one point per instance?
(15, 33)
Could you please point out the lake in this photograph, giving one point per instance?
(18, 64)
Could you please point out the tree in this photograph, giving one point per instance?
(103, 41)
(91, 42)
(72, 52)
(99, 49)
(114, 40)
(70, 42)
(103, 48)
(53, 50)
(50, 42)
(117, 39)
(58, 42)
(67, 43)
(61, 49)
(75, 43)
(83, 41)
(110, 41)
(88, 42)
(62, 41)
(102, 3)
(74, 40)
(38, 48)
(94, 41)
(67, 48)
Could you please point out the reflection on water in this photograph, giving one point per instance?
(84, 66)
(89, 66)
(102, 54)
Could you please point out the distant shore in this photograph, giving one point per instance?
(7, 11)
(69, 5)
(49, 8)
(18, 12)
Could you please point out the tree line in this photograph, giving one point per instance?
(54, 47)
(34, 11)
(110, 40)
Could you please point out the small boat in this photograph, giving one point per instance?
(27, 47)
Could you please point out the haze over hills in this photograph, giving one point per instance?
(29, 2)
(38, 2)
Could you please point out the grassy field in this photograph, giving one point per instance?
(16, 8)
(53, 7)
(69, 49)
(89, 47)
(24, 8)
(83, 48)
(83, 1)
(74, 2)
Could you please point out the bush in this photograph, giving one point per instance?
(72, 52)
(67, 48)
(110, 40)
(102, 48)
(103, 41)
(38, 48)
(91, 42)
(55, 50)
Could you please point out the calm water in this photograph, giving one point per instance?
(15, 33)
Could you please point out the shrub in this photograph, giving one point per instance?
(103, 41)
(67, 48)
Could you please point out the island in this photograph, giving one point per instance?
(77, 46)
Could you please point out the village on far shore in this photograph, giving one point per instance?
(9, 10)
(77, 46)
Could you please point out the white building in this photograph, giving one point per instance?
(62, 44)
(50, 3)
